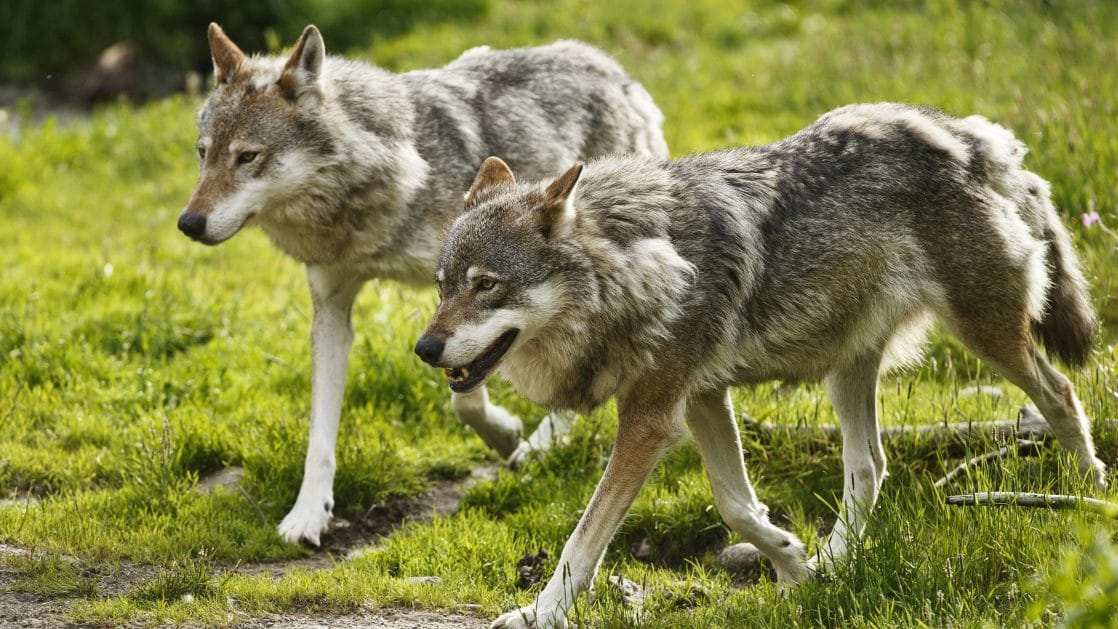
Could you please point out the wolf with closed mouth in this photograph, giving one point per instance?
(823, 256)
(356, 172)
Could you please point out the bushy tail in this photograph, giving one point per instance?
(1068, 326)
(650, 140)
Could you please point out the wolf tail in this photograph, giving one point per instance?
(651, 140)
(1068, 325)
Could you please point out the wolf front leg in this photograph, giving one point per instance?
(332, 294)
(644, 432)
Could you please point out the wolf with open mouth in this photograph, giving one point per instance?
(823, 256)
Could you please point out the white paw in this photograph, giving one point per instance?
(821, 562)
(498, 428)
(1096, 472)
(552, 429)
(501, 431)
(307, 521)
(526, 617)
(791, 562)
(519, 455)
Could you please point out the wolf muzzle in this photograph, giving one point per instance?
(429, 348)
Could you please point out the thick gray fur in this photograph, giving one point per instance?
(392, 153)
(822, 256)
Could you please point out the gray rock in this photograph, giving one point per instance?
(740, 560)
(987, 390)
(428, 580)
(229, 478)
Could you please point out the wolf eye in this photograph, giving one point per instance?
(246, 157)
(201, 152)
(486, 283)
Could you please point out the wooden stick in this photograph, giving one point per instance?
(1028, 425)
(1023, 447)
(1042, 501)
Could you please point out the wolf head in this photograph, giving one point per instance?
(252, 130)
(500, 275)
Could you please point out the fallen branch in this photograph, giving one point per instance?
(1041, 501)
(1028, 425)
(1023, 447)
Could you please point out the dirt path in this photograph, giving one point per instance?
(381, 619)
(24, 609)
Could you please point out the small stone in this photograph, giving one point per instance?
(632, 594)
(13, 551)
(528, 569)
(428, 580)
(188, 598)
(360, 551)
(22, 501)
(987, 390)
(642, 550)
(229, 478)
(740, 560)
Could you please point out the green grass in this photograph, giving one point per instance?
(133, 361)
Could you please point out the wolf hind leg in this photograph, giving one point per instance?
(710, 417)
(1010, 350)
(852, 390)
(498, 428)
(1016, 281)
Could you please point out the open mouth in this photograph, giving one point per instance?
(468, 377)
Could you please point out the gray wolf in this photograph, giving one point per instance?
(356, 172)
(823, 256)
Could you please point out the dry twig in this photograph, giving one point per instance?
(1041, 501)
(1028, 425)
(1023, 447)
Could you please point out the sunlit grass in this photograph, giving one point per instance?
(132, 361)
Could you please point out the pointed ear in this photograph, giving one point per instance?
(304, 67)
(226, 55)
(494, 171)
(558, 211)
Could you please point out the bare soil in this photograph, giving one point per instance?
(24, 609)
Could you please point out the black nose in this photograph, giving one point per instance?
(193, 225)
(429, 348)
